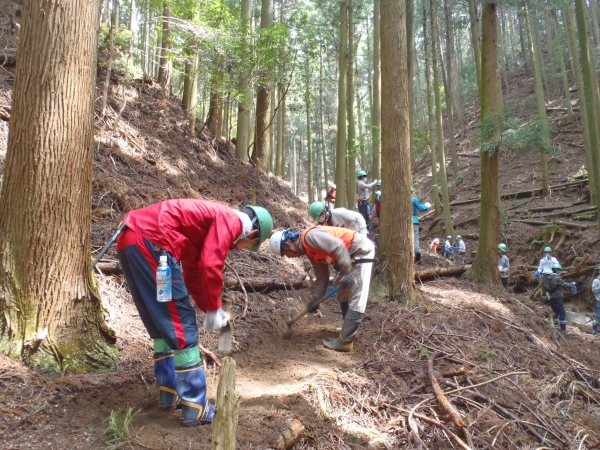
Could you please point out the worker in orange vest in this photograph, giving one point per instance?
(333, 246)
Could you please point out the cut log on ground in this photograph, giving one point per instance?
(225, 421)
(452, 271)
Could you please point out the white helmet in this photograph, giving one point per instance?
(275, 242)
(333, 186)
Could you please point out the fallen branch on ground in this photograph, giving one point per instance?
(442, 399)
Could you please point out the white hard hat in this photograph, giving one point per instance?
(275, 243)
(333, 186)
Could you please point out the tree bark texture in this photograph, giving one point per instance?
(111, 57)
(281, 135)
(350, 106)
(376, 109)
(50, 309)
(474, 33)
(323, 145)
(242, 135)
(340, 160)
(592, 102)
(449, 89)
(485, 266)
(396, 231)
(410, 55)
(262, 148)
(226, 418)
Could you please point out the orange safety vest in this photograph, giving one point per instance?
(323, 257)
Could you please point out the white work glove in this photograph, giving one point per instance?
(215, 320)
(428, 204)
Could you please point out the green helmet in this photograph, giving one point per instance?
(458, 236)
(502, 247)
(265, 224)
(316, 209)
(379, 183)
(361, 173)
(548, 250)
(556, 267)
(448, 237)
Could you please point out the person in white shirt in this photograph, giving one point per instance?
(545, 267)
(447, 250)
(462, 249)
(339, 217)
(362, 191)
(596, 292)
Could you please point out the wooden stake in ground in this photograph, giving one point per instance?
(228, 400)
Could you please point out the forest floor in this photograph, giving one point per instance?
(536, 387)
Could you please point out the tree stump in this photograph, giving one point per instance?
(228, 400)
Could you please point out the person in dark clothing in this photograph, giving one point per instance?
(554, 284)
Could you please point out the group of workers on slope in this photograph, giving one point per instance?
(194, 238)
(448, 250)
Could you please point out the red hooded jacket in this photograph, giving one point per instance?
(198, 233)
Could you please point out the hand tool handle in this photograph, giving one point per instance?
(365, 260)
(107, 246)
(305, 310)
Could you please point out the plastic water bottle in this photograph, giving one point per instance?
(164, 291)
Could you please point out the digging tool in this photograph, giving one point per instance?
(108, 245)
(288, 332)
(365, 260)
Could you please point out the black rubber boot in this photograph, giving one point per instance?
(417, 257)
(345, 341)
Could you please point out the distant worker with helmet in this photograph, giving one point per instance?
(462, 249)
(339, 217)
(416, 207)
(553, 284)
(378, 199)
(545, 267)
(448, 254)
(333, 246)
(503, 265)
(330, 196)
(362, 191)
(197, 234)
(596, 292)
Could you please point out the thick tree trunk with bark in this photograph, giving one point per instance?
(592, 102)
(340, 163)
(226, 420)
(396, 249)
(51, 314)
(350, 113)
(242, 135)
(410, 55)
(485, 266)
(214, 123)
(262, 149)
(376, 108)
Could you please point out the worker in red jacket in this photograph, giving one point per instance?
(333, 246)
(193, 235)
